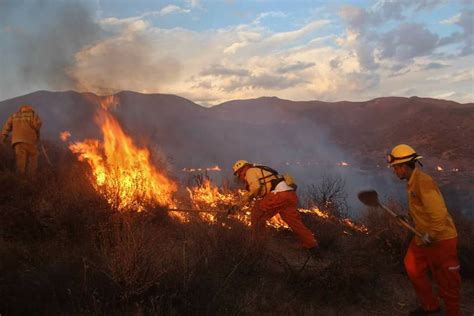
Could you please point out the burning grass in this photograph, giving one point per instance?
(65, 250)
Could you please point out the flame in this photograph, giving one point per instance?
(345, 221)
(122, 171)
(439, 168)
(209, 197)
(213, 168)
(109, 102)
(342, 164)
(64, 135)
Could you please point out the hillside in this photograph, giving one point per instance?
(305, 138)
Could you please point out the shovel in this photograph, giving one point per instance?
(199, 211)
(370, 198)
(45, 154)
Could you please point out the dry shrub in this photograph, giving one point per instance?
(133, 254)
(465, 228)
(386, 235)
(64, 251)
(328, 195)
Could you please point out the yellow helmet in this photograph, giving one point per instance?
(239, 164)
(402, 153)
(25, 108)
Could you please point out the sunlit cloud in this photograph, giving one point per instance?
(352, 53)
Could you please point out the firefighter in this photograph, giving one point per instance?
(273, 196)
(25, 127)
(437, 250)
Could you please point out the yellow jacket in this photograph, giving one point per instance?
(24, 125)
(256, 186)
(427, 208)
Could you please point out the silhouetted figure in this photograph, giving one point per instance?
(25, 127)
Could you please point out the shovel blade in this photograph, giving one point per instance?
(369, 198)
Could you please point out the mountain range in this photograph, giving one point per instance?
(307, 137)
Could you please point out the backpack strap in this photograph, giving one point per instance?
(274, 178)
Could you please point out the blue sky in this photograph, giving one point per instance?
(215, 51)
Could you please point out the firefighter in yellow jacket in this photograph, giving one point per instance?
(274, 196)
(437, 250)
(25, 127)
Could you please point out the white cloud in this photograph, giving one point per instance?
(293, 35)
(452, 20)
(248, 61)
(270, 14)
(173, 9)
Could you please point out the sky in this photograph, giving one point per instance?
(215, 51)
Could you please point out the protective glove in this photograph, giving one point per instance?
(426, 239)
(5, 139)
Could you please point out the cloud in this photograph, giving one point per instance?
(433, 65)
(313, 61)
(358, 19)
(294, 67)
(124, 22)
(410, 40)
(270, 14)
(219, 70)
(126, 61)
(284, 37)
(262, 81)
(374, 45)
(454, 19)
(360, 81)
(464, 20)
(335, 63)
(171, 8)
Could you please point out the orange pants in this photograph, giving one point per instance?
(283, 203)
(442, 259)
(26, 153)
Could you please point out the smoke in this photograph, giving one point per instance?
(129, 59)
(39, 40)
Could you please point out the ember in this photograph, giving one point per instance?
(64, 136)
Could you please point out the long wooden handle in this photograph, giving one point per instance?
(194, 211)
(404, 223)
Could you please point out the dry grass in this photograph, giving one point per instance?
(64, 251)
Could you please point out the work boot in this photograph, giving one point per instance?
(419, 311)
(315, 253)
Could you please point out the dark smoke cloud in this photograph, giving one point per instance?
(39, 41)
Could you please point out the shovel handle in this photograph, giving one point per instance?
(401, 221)
(194, 211)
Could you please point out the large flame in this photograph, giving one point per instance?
(122, 171)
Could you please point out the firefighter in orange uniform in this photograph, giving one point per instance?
(274, 196)
(25, 127)
(437, 250)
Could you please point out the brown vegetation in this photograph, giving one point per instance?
(65, 251)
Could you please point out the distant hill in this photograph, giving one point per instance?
(285, 134)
